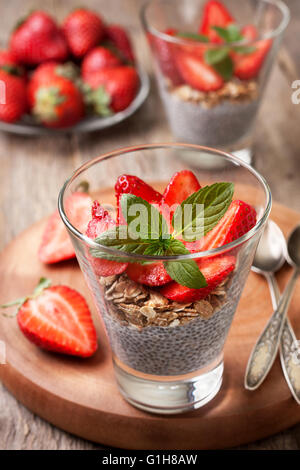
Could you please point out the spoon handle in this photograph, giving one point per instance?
(289, 346)
(265, 349)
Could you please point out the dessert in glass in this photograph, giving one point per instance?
(166, 254)
(212, 60)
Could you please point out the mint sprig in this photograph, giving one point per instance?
(147, 232)
(219, 57)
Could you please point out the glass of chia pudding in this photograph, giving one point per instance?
(166, 255)
(212, 60)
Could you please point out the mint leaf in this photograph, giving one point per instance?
(230, 34)
(212, 56)
(193, 36)
(225, 68)
(205, 208)
(185, 272)
(143, 219)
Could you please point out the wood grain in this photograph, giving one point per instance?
(33, 169)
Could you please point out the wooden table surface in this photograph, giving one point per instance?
(33, 169)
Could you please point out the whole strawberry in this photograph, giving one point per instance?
(120, 39)
(83, 29)
(98, 58)
(57, 103)
(13, 100)
(8, 62)
(113, 89)
(38, 39)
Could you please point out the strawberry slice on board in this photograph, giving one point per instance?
(238, 220)
(129, 184)
(247, 66)
(196, 73)
(214, 14)
(102, 221)
(58, 319)
(56, 244)
(215, 271)
(149, 275)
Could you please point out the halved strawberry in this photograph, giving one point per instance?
(58, 319)
(247, 66)
(133, 185)
(164, 52)
(149, 274)
(56, 244)
(196, 73)
(215, 270)
(238, 220)
(214, 14)
(102, 221)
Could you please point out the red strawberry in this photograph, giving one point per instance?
(57, 102)
(149, 274)
(120, 39)
(98, 58)
(58, 319)
(197, 73)
(8, 63)
(56, 244)
(181, 185)
(120, 84)
(134, 185)
(249, 32)
(238, 220)
(84, 29)
(214, 14)
(38, 39)
(164, 52)
(13, 102)
(102, 221)
(247, 66)
(215, 270)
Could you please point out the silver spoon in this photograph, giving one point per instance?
(265, 349)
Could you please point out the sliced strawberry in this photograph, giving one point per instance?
(215, 270)
(164, 52)
(59, 320)
(196, 73)
(249, 32)
(238, 220)
(149, 274)
(102, 221)
(214, 14)
(134, 185)
(247, 66)
(56, 244)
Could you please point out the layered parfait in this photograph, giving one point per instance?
(210, 78)
(169, 317)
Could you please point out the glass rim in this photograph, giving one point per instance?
(201, 254)
(282, 6)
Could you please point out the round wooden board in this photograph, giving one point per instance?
(81, 396)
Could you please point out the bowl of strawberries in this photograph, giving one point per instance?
(78, 76)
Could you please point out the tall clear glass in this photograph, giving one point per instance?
(219, 114)
(168, 356)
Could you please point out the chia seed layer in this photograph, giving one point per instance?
(223, 124)
(175, 349)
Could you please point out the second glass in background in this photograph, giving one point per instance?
(204, 108)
